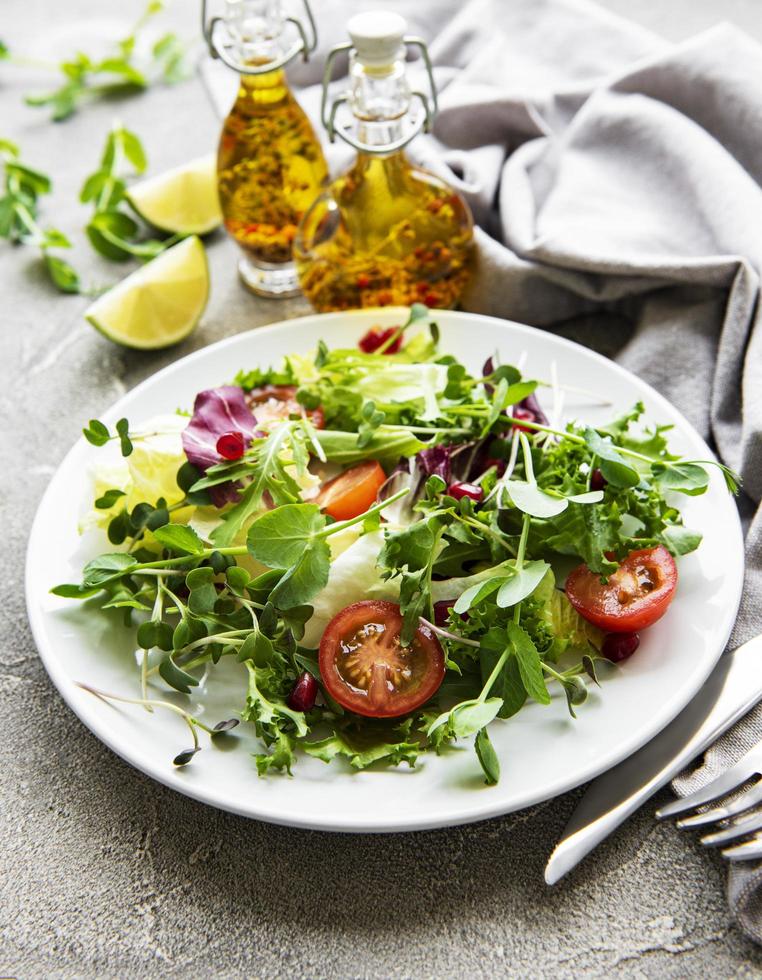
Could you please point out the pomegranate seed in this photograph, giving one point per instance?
(441, 611)
(303, 693)
(524, 415)
(231, 445)
(619, 646)
(375, 337)
(499, 464)
(597, 480)
(461, 490)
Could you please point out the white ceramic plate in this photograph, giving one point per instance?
(543, 751)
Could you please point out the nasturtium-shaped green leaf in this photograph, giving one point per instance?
(305, 578)
(467, 717)
(688, 478)
(477, 593)
(522, 583)
(179, 537)
(681, 540)
(530, 499)
(278, 538)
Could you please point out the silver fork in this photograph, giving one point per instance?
(747, 767)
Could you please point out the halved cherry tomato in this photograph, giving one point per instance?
(365, 668)
(635, 595)
(352, 492)
(278, 402)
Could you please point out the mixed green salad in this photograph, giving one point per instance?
(396, 551)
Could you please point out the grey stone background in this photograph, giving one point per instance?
(104, 873)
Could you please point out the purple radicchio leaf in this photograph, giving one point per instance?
(530, 404)
(435, 462)
(215, 412)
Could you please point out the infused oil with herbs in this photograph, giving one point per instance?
(386, 232)
(270, 166)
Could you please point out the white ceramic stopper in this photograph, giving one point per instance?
(377, 36)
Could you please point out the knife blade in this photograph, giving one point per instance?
(731, 691)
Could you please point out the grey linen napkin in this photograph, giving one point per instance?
(616, 181)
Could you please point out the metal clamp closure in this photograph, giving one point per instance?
(423, 123)
(220, 45)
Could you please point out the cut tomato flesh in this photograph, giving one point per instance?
(634, 597)
(367, 670)
(352, 492)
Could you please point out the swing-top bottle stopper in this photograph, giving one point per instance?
(255, 36)
(378, 89)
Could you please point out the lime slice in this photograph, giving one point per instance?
(182, 201)
(159, 304)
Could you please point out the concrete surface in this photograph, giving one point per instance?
(104, 873)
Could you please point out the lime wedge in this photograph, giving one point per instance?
(159, 304)
(182, 201)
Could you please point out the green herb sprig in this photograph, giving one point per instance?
(118, 74)
(23, 186)
(111, 231)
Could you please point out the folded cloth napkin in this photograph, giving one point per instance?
(615, 180)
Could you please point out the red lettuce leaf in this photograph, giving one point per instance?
(215, 412)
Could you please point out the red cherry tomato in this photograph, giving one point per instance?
(635, 595)
(278, 402)
(352, 492)
(367, 671)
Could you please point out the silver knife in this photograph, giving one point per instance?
(731, 691)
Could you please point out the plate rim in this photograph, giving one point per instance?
(69, 691)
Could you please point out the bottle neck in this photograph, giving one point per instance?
(379, 99)
(269, 88)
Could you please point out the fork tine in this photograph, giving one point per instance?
(751, 850)
(746, 767)
(744, 802)
(740, 828)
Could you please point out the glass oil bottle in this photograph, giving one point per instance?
(270, 166)
(386, 232)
